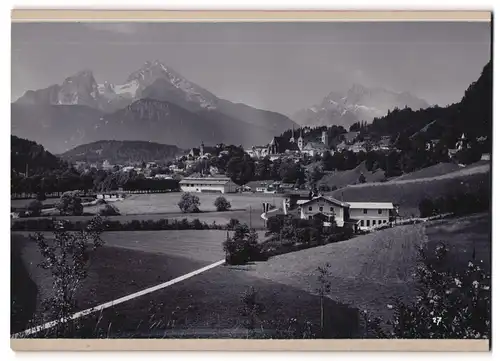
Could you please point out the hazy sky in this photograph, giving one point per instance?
(275, 66)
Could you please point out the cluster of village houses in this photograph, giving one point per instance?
(348, 141)
(302, 204)
(279, 148)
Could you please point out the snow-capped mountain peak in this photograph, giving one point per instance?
(357, 103)
(153, 79)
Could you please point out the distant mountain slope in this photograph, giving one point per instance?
(359, 103)
(28, 154)
(58, 127)
(121, 152)
(153, 81)
(164, 122)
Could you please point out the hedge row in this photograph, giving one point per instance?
(47, 224)
(276, 246)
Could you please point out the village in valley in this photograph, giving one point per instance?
(197, 171)
(155, 209)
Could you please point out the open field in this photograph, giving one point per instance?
(369, 270)
(129, 262)
(210, 306)
(114, 272)
(167, 202)
(432, 171)
(221, 218)
(246, 208)
(204, 246)
(209, 302)
(21, 204)
(408, 193)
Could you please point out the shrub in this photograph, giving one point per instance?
(324, 188)
(70, 204)
(233, 223)
(109, 210)
(34, 208)
(189, 203)
(469, 155)
(66, 257)
(242, 247)
(449, 305)
(222, 204)
(40, 196)
(252, 310)
(196, 224)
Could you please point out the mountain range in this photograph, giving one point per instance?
(155, 103)
(359, 103)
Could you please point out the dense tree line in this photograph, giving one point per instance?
(48, 224)
(93, 180)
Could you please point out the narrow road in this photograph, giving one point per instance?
(109, 304)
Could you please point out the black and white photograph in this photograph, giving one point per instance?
(251, 180)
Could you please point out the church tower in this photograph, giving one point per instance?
(462, 142)
(324, 137)
(201, 149)
(292, 139)
(300, 141)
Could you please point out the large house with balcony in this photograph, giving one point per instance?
(360, 215)
(326, 207)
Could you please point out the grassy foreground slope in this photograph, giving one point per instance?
(207, 305)
(368, 271)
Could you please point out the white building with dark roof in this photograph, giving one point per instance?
(208, 185)
(371, 214)
(326, 207)
(362, 215)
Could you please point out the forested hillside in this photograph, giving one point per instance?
(31, 155)
(122, 152)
